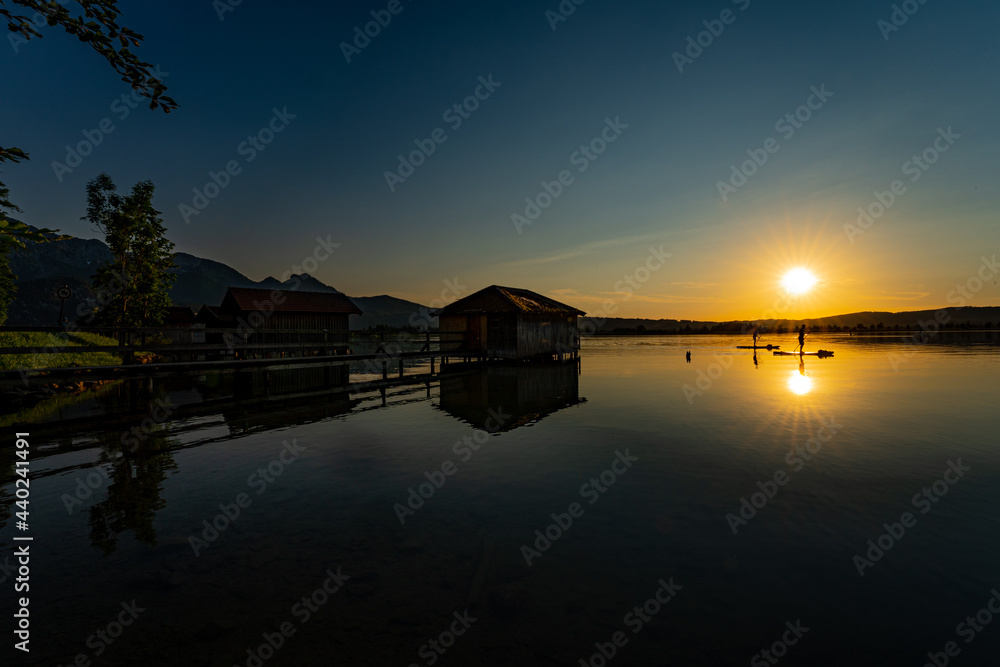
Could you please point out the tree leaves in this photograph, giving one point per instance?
(98, 27)
(136, 285)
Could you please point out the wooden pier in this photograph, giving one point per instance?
(201, 350)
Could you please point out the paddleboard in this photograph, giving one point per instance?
(820, 353)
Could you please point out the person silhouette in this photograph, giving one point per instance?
(802, 339)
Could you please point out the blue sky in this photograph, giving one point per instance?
(656, 184)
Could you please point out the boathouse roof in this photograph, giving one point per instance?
(247, 299)
(497, 299)
(178, 316)
(213, 316)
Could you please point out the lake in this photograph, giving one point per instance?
(637, 509)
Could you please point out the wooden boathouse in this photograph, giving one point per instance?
(511, 324)
(315, 322)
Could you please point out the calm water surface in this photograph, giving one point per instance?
(700, 440)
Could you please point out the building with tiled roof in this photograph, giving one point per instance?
(240, 300)
(308, 323)
(509, 323)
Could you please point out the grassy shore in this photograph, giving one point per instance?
(61, 344)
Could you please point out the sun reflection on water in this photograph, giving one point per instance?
(800, 384)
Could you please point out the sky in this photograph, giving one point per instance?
(629, 158)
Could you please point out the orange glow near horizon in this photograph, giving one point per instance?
(795, 264)
(785, 258)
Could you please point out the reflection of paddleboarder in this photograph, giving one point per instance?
(802, 338)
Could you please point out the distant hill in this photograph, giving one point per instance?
(44, 267)
(972, 316)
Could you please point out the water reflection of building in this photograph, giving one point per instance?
(525, 393)
(251, 383)
(246, 417)
(255, 400)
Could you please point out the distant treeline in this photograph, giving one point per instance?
(966, 318)
(728, 328)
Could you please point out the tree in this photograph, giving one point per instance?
(133, 290)
(7, 286)
(97, 26)
(7, 243)
(16, 232)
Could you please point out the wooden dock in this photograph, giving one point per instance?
(197, 351)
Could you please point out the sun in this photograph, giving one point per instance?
(798, 281)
